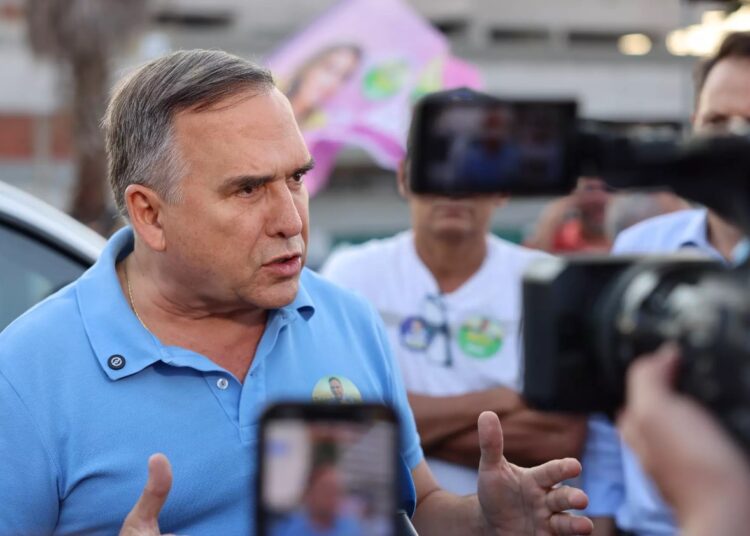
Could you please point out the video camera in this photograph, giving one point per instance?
(586, 319)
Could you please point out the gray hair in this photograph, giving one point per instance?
(138, 123)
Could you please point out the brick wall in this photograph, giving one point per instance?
(26, 137)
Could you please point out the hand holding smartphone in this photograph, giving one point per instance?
(328, 470)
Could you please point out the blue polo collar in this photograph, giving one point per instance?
(695, 232)
(122, 345)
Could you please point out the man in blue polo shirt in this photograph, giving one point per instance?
(614, 477)
(195, 318)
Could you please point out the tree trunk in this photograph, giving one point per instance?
(90, 86)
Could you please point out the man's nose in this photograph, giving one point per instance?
(284, 218)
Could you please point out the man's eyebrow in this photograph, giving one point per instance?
(307, 167)
(239, 182)
(244, 181)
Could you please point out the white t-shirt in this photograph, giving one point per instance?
(446, 344)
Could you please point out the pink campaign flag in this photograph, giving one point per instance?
(353, 75)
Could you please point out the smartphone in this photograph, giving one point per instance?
(469, 143)
(328, 469)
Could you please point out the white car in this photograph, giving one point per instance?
(41, 251)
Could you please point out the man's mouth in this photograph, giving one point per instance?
(287, 265)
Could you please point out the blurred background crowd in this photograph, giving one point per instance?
(625, 61)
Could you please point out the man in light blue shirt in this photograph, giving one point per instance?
(613, 477)
(684, 230)
(89, 401)
(195, 317)
(723, 101)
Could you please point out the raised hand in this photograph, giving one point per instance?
(143, 519)
(519, 501)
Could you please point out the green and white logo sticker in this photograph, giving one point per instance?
(480, 337)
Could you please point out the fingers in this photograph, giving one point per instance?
(566, 498)
(490, 440)
(554, 472)
(569, 525)
(649, 384)
(145, 513)
(653, 373)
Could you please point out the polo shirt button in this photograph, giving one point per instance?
(116, 362)
(222, 383)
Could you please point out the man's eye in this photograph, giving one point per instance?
(299, 176)
(247, 190)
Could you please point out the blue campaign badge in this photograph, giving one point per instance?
(415, 333)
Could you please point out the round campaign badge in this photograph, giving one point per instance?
(335, 389)
(415, 333)
(480, 337)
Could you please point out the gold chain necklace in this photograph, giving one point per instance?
(130, 296)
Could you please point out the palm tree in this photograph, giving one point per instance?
(82, 35)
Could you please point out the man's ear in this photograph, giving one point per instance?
(403, 187)
(145, 212)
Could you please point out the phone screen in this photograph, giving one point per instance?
(328, 470)
(493, 146)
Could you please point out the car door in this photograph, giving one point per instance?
(31, 268)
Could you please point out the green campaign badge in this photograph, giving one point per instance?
(480, 337)
(385, 80)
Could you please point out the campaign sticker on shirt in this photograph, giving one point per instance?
(480, 337)
(415, 333)
(336, 390)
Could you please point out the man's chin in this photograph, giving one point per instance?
(280, 294)
(452, 231)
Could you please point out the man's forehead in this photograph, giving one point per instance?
(247, 123)
(729, 77)
(264, 109)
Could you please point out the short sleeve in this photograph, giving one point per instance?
(627, 242)
(602, 476)
(411, 451)
(29, 501)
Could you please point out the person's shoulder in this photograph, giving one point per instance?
(354, 266)
(340, 312)
(41, 332)
(506, 251)
(363, 255)
(659, 233)
(328, 295)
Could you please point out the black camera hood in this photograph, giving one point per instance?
(711, 170)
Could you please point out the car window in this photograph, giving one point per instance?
(30, 270)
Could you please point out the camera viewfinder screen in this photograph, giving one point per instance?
(329, 478)
(513, 147)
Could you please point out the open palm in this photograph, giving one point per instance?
(521, 501)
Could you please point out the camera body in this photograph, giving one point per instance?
(586, 319)
(597, 315)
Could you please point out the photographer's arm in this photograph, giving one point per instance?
(440, 417)
(531, 437)
(700, 470)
